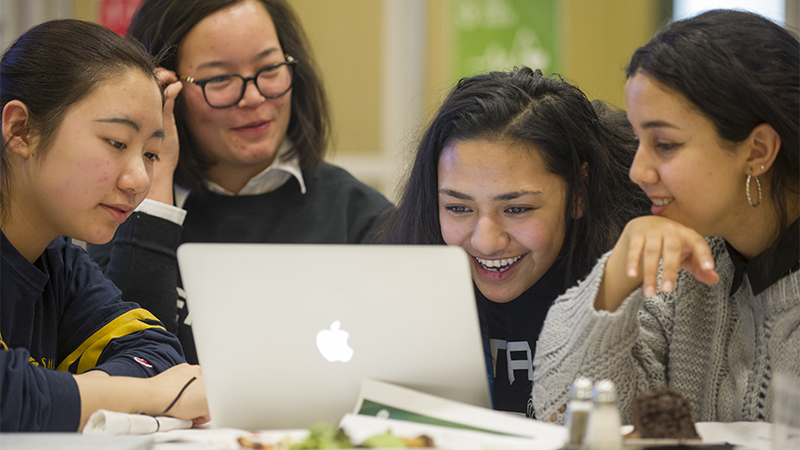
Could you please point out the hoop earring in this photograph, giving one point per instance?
(747, 187)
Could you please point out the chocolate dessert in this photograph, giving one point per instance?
(662, 413)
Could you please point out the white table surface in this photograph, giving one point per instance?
(749, 435)
(752, 435)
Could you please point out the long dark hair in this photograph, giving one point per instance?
(740, 70)
(161, 25)
(566, 129)
(53, 66)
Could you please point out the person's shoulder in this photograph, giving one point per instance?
(705, 294)
(717, 246)
(65, 255)
(60, 249)
(723, 263)
(327, 172)
(329, 179)
(60, 243)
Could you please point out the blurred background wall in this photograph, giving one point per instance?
(388, 63)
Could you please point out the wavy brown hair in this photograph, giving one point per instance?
(739, 70)
(566, 129)
(161, 25)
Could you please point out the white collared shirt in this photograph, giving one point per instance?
(268, 180)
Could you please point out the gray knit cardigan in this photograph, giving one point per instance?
(720, 351)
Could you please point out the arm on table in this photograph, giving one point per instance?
(39, 399)
(124, 359)
(613, 325)
(35, 398)
(628, 346)
(151, 396)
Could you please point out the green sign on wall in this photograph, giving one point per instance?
(501, 34)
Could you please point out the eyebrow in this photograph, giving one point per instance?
(501, 197)
(223, 64)
(659, 124)
(132, 124)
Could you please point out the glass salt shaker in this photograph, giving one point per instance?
(603, 427)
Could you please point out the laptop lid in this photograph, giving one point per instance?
(285, 333)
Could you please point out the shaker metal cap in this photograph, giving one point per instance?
(604, 392)
(581, 389)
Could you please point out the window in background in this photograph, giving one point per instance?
(501, 34)
(772, 9)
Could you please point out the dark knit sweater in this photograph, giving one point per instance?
(141, 260)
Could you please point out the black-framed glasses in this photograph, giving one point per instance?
(223, 91)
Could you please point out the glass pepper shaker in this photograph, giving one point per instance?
(578, 409)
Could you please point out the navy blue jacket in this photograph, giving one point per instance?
(62, 316)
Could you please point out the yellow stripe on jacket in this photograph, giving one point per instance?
(89, 352)
(31, 359)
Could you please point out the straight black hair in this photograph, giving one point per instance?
(54, 65)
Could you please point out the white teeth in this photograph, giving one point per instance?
(498, 265)
(662, 201)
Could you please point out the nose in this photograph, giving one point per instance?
(643, 171)
(489, 236)
(135, 178)
(252, 96)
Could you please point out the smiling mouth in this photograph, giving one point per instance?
(662, 201)
(497, 265)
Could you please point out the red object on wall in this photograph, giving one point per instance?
(116, 14)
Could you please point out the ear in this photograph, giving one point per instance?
(764, 145)
(15, 127)
(580, 204)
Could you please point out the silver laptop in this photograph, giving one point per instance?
(286, 333)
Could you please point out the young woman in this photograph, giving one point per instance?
(82, 129)
(714, 101)
(252, 128)
(530, 178)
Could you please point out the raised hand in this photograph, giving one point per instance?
(635, 259)
(161, 189)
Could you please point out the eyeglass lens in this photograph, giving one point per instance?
(271, 81)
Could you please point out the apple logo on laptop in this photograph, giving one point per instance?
(333, 343)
